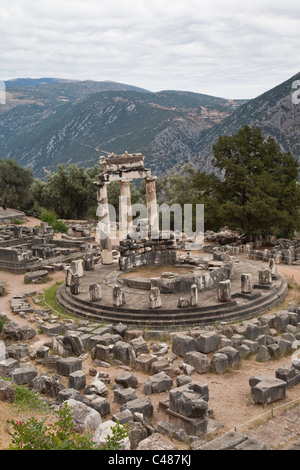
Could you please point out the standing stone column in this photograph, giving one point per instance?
(68, 276)
(152, 204)
(246, 283)
(74, 284)
(264, 276)
(272, 266)
(118, 297)
(95, 292)
(103, 227)
(155, 298)
(194, 296)
(224, 291)
(125, 209)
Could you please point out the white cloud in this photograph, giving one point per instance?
(223, 47)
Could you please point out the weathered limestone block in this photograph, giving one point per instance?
(123, 395)
(73, 340)
(14, 331)
(244, 351)
(139, 346)
(7, 366)
(219, 363)
(23, 375)
(197, 360)
(122, 351)
(7, 391)
(97, 402)
(289, 374)
(186, 401)
(53, 386)
(102, 352)
(207, 341)
(66, 366)
(267, 390)
(125, 417)
(35, 276)
(157, 383)
(144, 362)
(233, 356)
(137, 432)
(105, 429)
(126, 379)
(183, 303)
(77, 380)
(181, 344)
(68, 393)
(281, 320)
(85, 418)
(263, 354)
(96, 386)
(140, 405)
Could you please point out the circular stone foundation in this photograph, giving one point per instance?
(136, 312)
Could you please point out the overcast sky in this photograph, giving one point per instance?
(226, 48)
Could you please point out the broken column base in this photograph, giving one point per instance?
(192, 426)
(107, 257)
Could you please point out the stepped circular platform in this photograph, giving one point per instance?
(136, 312)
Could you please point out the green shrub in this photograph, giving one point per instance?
(49, 216)
(35, 435)
(59, 227)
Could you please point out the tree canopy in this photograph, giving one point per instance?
(15, 184)
(258, 190)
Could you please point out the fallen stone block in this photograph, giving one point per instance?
(123, 395)
(219, 363)
(85, 418)
(290, 375)
(197, 360)
(23, 375)
(126, 379)
(104, 430)
(207, 341)
(7, 392)
(233, 356)
(157, 383)
(7, 366)
(140, 405)
(77, 380)
(182, 344)
(66, 366)
(266, 390)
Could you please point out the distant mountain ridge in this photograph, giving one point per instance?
(72, 122)
(273, 111)
(64, 121)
